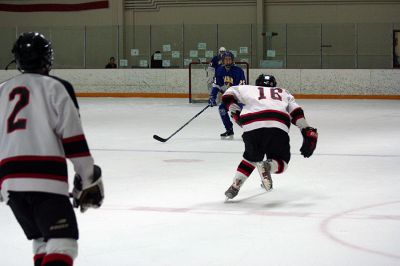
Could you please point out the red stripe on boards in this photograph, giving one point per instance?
(54, 7)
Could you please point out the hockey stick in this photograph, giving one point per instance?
(164, 140)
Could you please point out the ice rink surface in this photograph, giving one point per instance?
(165, 201)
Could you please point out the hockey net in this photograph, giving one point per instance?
(198, 79)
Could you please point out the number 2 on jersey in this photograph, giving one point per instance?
(13, 123)
(274, 93)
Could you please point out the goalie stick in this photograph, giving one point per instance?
(166, 139)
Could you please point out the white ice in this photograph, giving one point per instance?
(165, 201)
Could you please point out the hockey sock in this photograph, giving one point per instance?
(56, 259)
(225, 117)
(243, 171)
(38, 259)
(39, 250)
(278, 166)
(60, 252)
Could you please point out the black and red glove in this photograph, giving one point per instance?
(310, 137)
(92, 195)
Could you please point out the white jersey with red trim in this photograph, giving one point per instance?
(264, 107)
(40, 127)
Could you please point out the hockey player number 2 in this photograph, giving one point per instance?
(13, 123)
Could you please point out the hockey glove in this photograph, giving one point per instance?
(310, 137)
(234, 110)
(90, 197)
(212, 101)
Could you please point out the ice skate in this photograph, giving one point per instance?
(233, 190)
(227, 135)
(264, 168)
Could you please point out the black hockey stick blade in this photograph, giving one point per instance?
(173, 134)
(159, 138)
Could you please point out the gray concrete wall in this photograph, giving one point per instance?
(219, 12)
(358, 32)
(275, 11)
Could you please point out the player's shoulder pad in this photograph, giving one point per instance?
(69, 88)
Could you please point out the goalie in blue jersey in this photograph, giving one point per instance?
(215, 63)
(226, 76)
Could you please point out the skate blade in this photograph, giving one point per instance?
(263, 187)
(227, 138)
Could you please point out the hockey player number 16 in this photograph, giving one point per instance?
(13, 123)
(275, 93)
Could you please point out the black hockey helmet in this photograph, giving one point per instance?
(33, 52)
(266, 81)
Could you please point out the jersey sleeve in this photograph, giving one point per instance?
(69, 129)
(231, 95)
(70, 90)
(214, 62)
(219, 78)
(242, 77)
(296, 112)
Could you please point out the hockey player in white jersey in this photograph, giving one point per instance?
(40, 128)
(265, 118)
